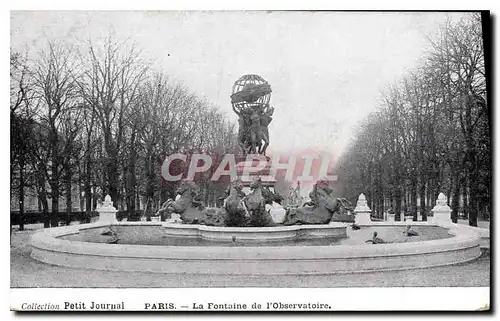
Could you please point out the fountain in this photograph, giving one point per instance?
(252, 234)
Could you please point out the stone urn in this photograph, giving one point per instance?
(441, 212)
(107, 212)
(362, 211)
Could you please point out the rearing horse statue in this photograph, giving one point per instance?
(187, 206)
(236, 213)
(255, 206)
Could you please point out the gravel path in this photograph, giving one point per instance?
(27, 272)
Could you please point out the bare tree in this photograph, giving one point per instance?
(55, 75)
(110, 85)
(430, 133)
(22, 114)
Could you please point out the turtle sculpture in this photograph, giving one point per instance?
(410, 232)
(375, 239)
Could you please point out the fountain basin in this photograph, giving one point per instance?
(256, 234)
(48, 247)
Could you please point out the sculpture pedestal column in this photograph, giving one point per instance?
(362, 212)
(107, 213)
(441, 212)
(255, 166)
(259, 166)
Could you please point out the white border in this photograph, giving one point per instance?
(423, 297)
(347, 299)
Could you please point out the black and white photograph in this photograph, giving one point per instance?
(156, 152)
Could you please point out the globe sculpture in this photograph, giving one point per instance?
(250, 100)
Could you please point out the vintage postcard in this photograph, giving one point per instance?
(250, 161)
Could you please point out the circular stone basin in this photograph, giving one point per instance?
(290, 250)
(200, 235)
(156, 235)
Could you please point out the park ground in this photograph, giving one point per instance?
(25, 272)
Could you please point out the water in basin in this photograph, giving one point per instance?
(153, 235)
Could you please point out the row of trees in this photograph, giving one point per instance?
(430, 134)
(100, 118)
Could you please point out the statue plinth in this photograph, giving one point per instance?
(442, 212)
(259, 167)
(362, 211)
(107, 213)
(255, 166)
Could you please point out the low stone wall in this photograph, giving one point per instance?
(483, 233)
(145, 232)
(262, 260)
(256, 234)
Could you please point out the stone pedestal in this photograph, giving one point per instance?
(260, 166)
(391, 217)
(174, 219)
(255, 166)
(107, 213)
(441, 212)
(362, 212)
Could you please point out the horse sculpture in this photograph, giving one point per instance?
(238, 210)
(190, 208)
(234, 207)
(343, 212)
(322, 208)
(186, 204)
(254, 205)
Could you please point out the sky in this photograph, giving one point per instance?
(326, 69)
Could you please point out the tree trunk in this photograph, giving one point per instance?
(398, 201)
(423, 208)
(131, 180)
(55, 205)
(464, 189)
(428, 198)
(21, 192)
(473, 199)
(88, 195)
(381, 202)
(413, 196)
(54, 189)
(112, 169)
(455, 198)
(42, 194)
(69, 201)
(150, 184)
